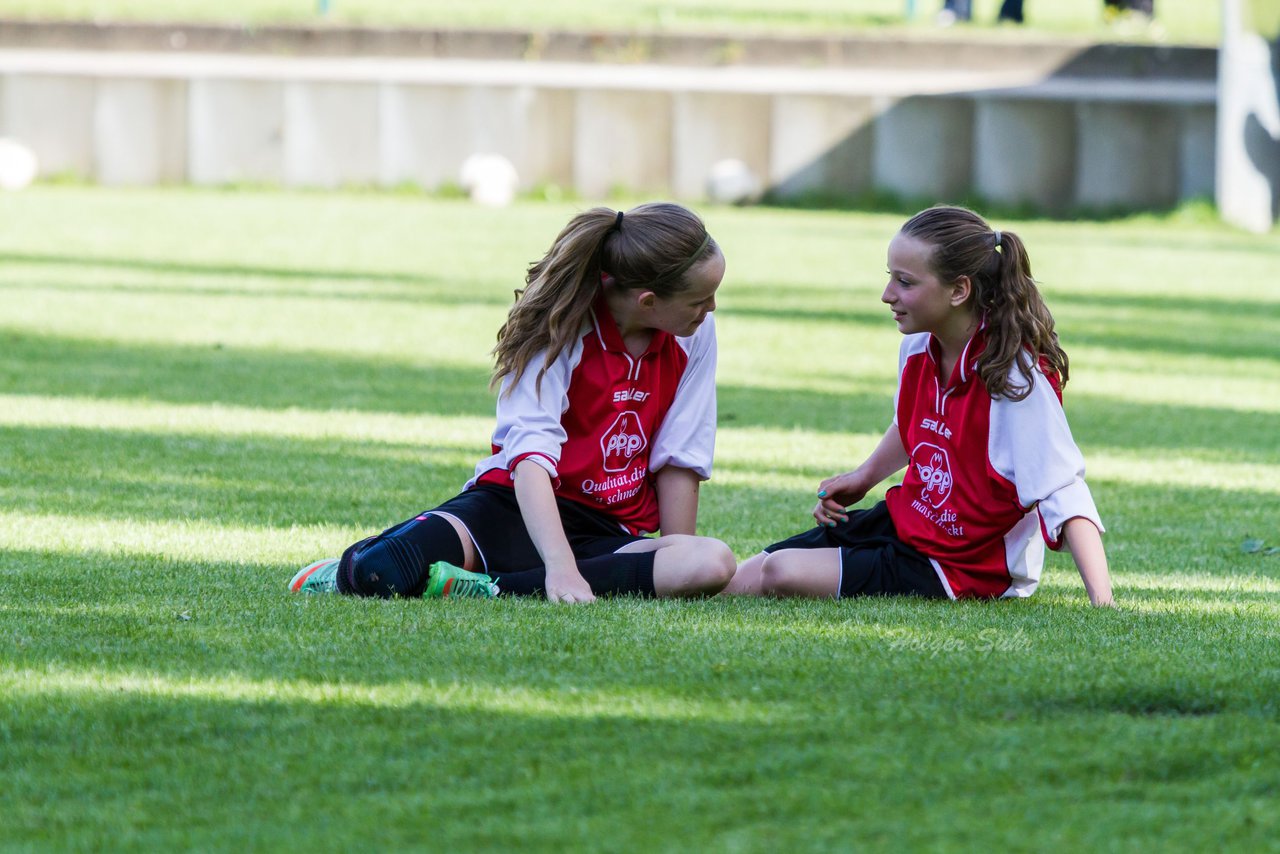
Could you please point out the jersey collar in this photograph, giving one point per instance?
(967, 364)
(606, 329)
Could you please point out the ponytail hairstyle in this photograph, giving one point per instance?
(1019, 327)
(651, 246)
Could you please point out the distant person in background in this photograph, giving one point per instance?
(1010, 10)
(955, 10)
(1114, 8)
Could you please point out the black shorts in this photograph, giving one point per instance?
(492, 517)
(873, 561)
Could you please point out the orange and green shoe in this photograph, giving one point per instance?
(318, 577)
(446, 581)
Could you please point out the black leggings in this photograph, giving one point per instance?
(397, 563)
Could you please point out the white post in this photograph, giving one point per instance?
(1248, 167)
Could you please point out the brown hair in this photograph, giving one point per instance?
(1018, 323)
(652, 246)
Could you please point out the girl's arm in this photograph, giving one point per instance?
(838, 492)
(1086, 549)
(537, 500)
(677, 490)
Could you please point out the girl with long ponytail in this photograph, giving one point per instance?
(992, 472)
(605, 429)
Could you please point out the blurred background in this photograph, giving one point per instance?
(1080, 108)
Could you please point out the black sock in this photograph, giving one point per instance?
(608, 575)
(395, 562)
(529, 582)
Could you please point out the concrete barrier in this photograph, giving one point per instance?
(236, 130)
(53, 114)
(821, 144)
(1014, 134)
(140, 131)
(1025, 152)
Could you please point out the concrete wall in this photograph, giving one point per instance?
(1010, 136)
(1248, 127)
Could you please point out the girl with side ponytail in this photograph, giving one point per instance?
(992, 470)
(606, 426)
(1017, 325)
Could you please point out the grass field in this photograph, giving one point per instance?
(1195, 21)
(201, 390)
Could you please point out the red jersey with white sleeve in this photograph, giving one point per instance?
(605, 422)
(988, 481)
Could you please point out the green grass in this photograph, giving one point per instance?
(201, 390)
(1196, 21)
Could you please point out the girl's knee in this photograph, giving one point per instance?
(703, 565)
(375, 571)
(784, 573)
(717, 564)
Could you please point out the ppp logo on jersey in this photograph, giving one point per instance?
(622, 441)
(934, 468)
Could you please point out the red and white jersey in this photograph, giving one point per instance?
(606, 422)
(988, 481)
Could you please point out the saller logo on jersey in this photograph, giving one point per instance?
(935, 471)
(622, 441)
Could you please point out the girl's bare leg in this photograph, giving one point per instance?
(790, 572)
(686, 565)
(801, 572)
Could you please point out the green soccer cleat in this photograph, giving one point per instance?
(447, 581)
(318, 577)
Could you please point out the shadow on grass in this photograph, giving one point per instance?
(849, 316)
(260, 480)
(1164, 521)
(803, 409)
(790, 302)
(186, 268)
(442, 293)
(1164, 429)
(239, 480)
(1182, 326)
(54, 365)
(255, 480)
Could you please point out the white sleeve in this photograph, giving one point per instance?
(687, 438)
(911, 344)
(1031, 446)
(529, 419)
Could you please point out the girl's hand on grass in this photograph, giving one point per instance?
(568, 586)
(834, 495)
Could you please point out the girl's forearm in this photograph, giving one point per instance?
(1091, 559)
(537, 500)
(677, 490)
(888, 457)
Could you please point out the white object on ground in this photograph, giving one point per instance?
(18, 165)
(731, 182)
(490, 179)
